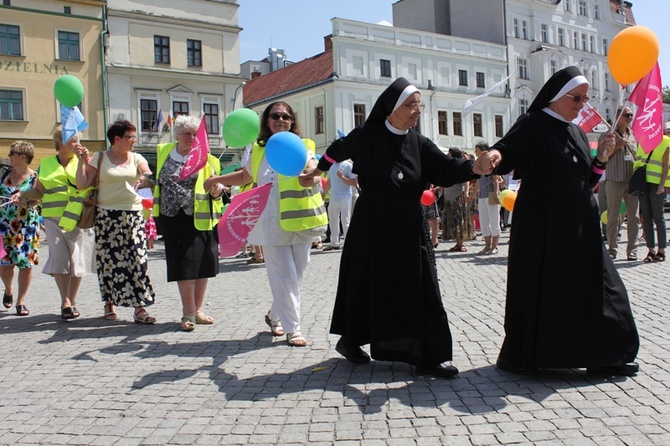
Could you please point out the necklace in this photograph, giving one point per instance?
(116, 159)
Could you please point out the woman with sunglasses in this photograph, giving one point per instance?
(19, 225)
(566, 305)
(293, 216)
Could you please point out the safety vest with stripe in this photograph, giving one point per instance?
(299, 208)
(655, 164)
(54, 178)
(204, 216)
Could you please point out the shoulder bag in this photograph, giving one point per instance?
(87, 219)
(494, 198)
(638, 181)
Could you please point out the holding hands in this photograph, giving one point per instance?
(487, 162)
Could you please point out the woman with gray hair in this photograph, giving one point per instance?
(186, 214)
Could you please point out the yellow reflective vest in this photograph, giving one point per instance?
(655, 164)
(299, 208)
(54, 178)
(204, 216)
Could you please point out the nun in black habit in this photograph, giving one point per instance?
(566, 305)
(388, 294)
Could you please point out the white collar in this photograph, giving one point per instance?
(553, 114)
(395, 130)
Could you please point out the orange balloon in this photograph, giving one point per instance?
(632, 54)
(509, 200)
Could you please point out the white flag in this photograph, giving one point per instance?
(470, 103)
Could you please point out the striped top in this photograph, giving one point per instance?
(620, 165)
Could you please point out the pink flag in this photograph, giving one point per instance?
(240, 217)
(588, 118)
(648, 124)
(197, 157)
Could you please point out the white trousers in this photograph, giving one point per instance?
(285, 266)
(340, 209)
(489, 218)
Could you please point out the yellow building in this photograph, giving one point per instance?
(41, 40)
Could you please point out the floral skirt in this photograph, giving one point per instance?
(457, 220)
(121, 258)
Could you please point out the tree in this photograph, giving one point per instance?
(666, 95)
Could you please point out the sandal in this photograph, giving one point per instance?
(255, 260)
(296, 339)
(22, 310)
(632, 257)
(202, 318)
(241, 255)
(275, 326)
(110, 314)
(142, 317)
(75, 313)
(187, 323)
(66, 313)
(659, 257)
(650, 257)
(7, 300)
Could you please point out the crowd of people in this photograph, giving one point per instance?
(562, 310)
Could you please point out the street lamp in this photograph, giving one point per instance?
(235, 94)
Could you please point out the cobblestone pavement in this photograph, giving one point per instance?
(96, 382)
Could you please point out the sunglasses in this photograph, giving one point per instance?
(577, 98)
(627, 115)
(11, 152)
(283, 116)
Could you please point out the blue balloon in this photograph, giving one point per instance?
(286, 153)
(318, 157)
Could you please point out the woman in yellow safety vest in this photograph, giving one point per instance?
(292, 217)
(70, 252)
(186, 214)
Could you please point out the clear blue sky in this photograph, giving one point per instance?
(298, 26)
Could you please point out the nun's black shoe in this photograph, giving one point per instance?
(507, 367)
(440, 370)
(629, 369)
(353, 354)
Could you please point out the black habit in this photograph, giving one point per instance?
(566, 305)
(388, 294)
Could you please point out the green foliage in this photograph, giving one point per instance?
(666, 95)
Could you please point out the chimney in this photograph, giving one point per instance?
(328, 42)
(255, 74)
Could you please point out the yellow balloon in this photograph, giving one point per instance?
(632, 54)
(603, 218)
(503, 194)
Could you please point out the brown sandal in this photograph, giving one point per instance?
(650, 257)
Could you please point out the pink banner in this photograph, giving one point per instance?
(648, 124)
(240, 217)
(588, 118)
(197, 157)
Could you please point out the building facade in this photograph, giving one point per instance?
(173, 57)
(41, 40)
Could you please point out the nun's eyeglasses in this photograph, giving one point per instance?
(577, 99)
(414, 106)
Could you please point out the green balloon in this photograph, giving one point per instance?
(68, 90)
(241, 127)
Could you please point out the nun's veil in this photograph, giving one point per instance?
(560, 83)
(394, 95)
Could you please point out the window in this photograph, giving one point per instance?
(462, 78)
(583, 8)
(499, 125)
(68, 45)
(10, 42)
(552, 66)
(318, 120)
(149, 115)
(161, 49)
(442, 123)
(523, 106)
(11, 105)
(516, 29)
(605, 44)
(594, 80)
(359, 115)
(583, 42)
(180, 108)
(477, 124)
(193, 53)
(544, 33)
(6, 3)
(561, 36)
(481, 83)
(607, 82)
(522, 68)
(211, 112)
(67, 10)
(596, 12)
(458, 124)
(524, 30)
(385, 68)
(575, 40)
(568, 7)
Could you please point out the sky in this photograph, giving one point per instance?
(299, 26)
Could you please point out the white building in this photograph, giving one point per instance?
(171, 57)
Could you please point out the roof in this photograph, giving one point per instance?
(295, 77)
(617, 6)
